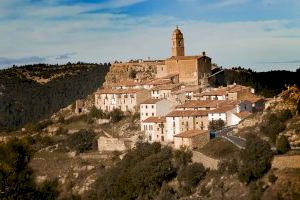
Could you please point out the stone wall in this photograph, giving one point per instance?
(111, 144)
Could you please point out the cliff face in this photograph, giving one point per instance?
(140, 71)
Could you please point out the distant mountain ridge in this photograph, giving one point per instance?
(268, 84)
(33, 92)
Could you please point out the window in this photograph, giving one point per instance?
(146, 114)
(146, 106)
(150, 138)
(162, 138)
(152, 106)
(152, 114)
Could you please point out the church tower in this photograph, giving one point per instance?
(177, 43)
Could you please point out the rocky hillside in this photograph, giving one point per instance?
(31, 93)
(132, 70)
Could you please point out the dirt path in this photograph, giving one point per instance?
(208, 162)
(282, 162)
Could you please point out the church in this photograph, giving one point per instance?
(192, 70)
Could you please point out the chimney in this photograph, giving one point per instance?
(204, 53)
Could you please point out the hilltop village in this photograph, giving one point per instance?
(173, 97)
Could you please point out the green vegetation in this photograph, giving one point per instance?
(82, 141)
(267, 84)
(216, 125)
(132, 73)
(191, 174)
(116, 115)
(282, 145)
(24, 100)
(255, 159)
(219, 148)
(16, 179)
(144, 173)
(274, 123)
(97, 113)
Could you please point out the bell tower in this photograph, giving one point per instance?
(177, 43)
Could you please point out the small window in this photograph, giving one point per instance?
(146, 106)
(152, 106)
(152, 114)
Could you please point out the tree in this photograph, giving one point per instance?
(16, 179)
(216, 124)
(255, 158)
(191, 174)
(82, 141)
(282, 145)
(116, 115)
(132, 73)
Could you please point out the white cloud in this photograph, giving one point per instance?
(102, 37)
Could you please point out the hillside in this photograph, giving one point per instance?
(34, 92)
(267, 84)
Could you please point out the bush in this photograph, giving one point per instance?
(230, 166)
(61, 131)
(272, 178)
(216, 125)
(182, 157)
(285, 115)
(17, 180)
(97, 113)
(82, 141)
(116, 115)
(166, 192)
(282, 145)
(255, 158)
(61, 119)
(139, 175)
(191, 174)
(132, 73)
(272, 126)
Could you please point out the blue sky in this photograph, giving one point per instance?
(257, 34)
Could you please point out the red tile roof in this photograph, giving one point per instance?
(206, 103)
(166, 87)
(118, 91)
(187, 113)
(192, 133)
(243, 115)
(151, 101)
(222, 109)
(184, 57)
(155, 120)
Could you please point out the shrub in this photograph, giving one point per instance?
(132, 73)
(182, 157)
(61, 131)
(139, 175)
(216, 125)
(97, 113)
(116, 115)
(191, 174)
(166, 192)
(282, 145)
(285, 115)
(61, 119)
(230, 166)
(272, 126)
(255, 158)
(272, 178)
(82, 141)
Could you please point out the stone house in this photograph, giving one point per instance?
(154, 129)
(127, 100)
(178, 121)
(155, 108)
(221, 113)
(191, 139)
(236, 118)
(185, 93)
(164, 91)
